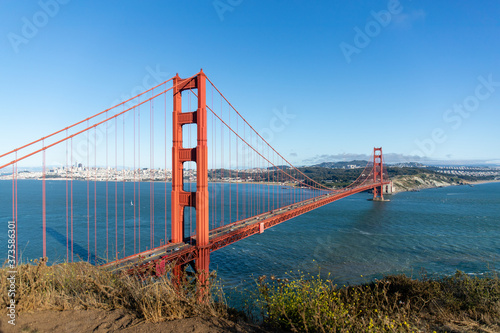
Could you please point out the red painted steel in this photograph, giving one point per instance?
(180, 199)
(378, 174)
(202, 203)
(267, 166)
(181, 254)
(199, 154)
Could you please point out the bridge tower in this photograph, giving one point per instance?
(378, 174)
(198, 154)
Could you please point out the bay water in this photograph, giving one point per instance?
(438, 231)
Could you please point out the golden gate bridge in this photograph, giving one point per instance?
(227, 181)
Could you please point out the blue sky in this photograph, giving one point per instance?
(415, 77)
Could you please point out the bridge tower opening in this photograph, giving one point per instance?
(199, 154)
(378, 174)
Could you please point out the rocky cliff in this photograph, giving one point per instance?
(423, 181)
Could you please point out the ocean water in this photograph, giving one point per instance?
(434, 232)
(98, 221)
(355, 240)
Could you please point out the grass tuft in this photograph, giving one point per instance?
(83, 286)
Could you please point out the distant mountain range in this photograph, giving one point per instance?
(362, 163)
(343, 165)
(393, 159)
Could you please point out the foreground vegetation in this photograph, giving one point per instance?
(84, 286)
(459, 303)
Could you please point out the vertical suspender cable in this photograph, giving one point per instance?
(107, 193)
(151, 184)
(229, 167)
(16, 218)
(213, 197)
(44, 220)
(237, 175)
(71, 208)
(116, 188)
(252, 186)
(245, 191)
(87, 174)
(95, 194)
(67, 215)
(140, 172)
(165, 196)
(223, 198)
(123, 187)
(135, 180)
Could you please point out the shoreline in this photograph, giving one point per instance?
(428, 186)
(288, 185)
(478, 182)
(413, 189)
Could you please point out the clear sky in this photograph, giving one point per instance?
(415, 77)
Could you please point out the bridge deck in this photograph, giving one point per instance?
(182, 253)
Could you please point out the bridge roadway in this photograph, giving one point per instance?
(154, 260)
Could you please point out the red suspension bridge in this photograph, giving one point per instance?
(226, 182)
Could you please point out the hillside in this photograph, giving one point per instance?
(421, 181)
(404, 178)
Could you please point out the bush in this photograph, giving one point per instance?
(393, 304)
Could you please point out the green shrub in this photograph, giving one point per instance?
(393, 304)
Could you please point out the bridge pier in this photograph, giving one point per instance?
(202, 265)
(178, 274)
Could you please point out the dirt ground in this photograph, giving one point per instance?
(116, 321)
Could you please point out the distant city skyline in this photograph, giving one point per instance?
(323, 80)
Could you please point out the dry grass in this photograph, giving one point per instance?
(459, 303)
(84, 286)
